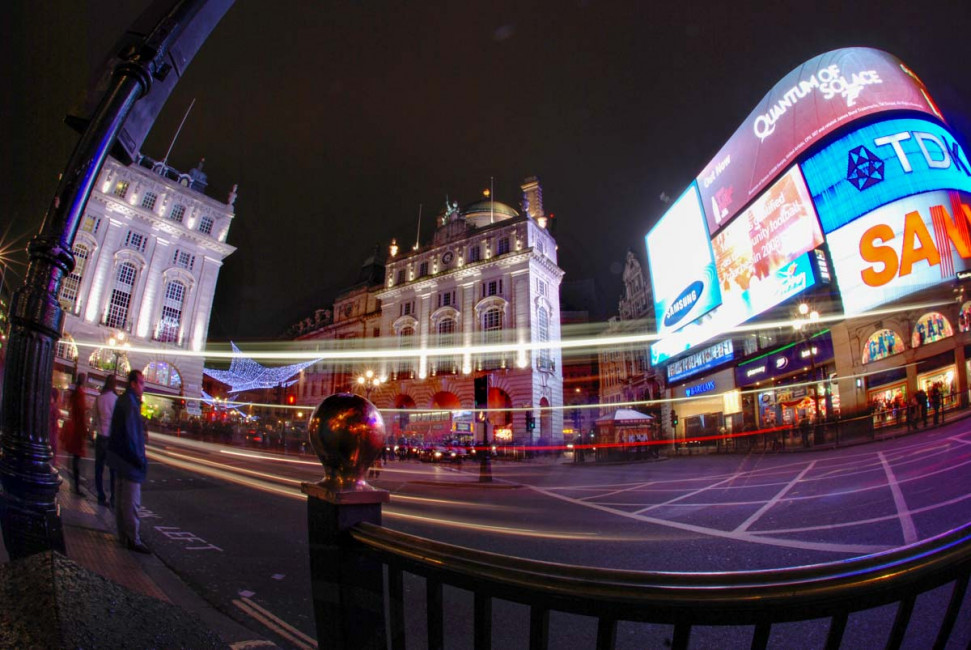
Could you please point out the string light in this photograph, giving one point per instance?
(246, 374)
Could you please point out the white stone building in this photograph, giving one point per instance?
(488, 277)
(148, 253)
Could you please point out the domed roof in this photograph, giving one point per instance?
(484, 212)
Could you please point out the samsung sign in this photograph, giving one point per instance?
(881, 163)
(682, 265)
(712, 356)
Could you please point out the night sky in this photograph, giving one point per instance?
(338, 119)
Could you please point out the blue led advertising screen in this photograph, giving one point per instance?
(682, 264)
(911, 244)
(783, 283)
(761, 259)
(880, 163)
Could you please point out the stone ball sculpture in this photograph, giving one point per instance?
(347, 433)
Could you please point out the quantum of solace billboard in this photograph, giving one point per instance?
(903, 247)
(682, 267)
(821, 95)
(880, 163)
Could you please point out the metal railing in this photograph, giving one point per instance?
(746, 598)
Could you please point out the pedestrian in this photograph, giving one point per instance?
(104, 406)
(55, 424)
(74, 433)
(126, 455)
(936, 403)
(922, 405)
(804, 431)
(912, 414)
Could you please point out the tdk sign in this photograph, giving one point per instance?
(681, 305)
(881, 163)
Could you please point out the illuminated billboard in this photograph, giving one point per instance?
(682, 266)
(880, 163)
(909, 245)
(776, 229)
(818, 97)
(782, 284)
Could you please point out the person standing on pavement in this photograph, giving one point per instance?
(936, 403)
(75, 430)
(104, 406)
(126, 455)
(922, 405)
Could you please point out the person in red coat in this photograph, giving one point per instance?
(75, 430)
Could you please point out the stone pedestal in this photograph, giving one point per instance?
(348, 586)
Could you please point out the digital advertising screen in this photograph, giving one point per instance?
(682, 266)
(788, 280)
(911, 244)
(820, 96)
(777, 228)
(880, 163)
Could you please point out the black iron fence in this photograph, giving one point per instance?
(359, 570)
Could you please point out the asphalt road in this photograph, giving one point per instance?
(232, 523)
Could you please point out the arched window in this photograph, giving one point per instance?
(171, 319)
(446, 339)
(163, 374)
(71, 286)
(492, 335)
(120, 301)
(406, 339)
(543, 336)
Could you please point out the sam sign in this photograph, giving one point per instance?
(898, 249)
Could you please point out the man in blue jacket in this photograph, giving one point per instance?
(126, 455)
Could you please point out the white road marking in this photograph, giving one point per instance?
(861, 549)
(278, 576)
(247, 594)
(689, 494)
(744, 526)
(275, 623)
(906, 521)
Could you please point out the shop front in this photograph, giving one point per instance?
(789, 385)
(708, 410)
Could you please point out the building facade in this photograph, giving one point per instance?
(480, 300)
(625, 372)
(148, 255)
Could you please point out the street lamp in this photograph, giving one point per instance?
(119, 346)
(808, 318)
(368, 381)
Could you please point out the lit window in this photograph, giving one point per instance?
(171, 320)
(91, 224)
(205, 225)
(183, 259)
(136, 241)
(491, 335)
(120, 300)
(148, 201)
(543, 336)
(121, 189)
(178, 213)
(71, 285)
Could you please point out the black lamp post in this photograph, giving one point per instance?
(151, 58)
(368, 381)
(807, 319)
